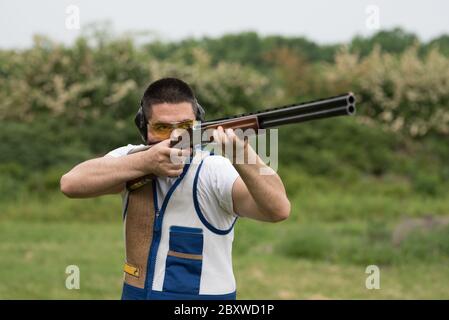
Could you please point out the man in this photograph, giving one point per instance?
(179, 227)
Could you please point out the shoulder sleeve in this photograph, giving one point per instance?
(219, 176)
(122, 151)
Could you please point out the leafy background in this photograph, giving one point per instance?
(370, 189)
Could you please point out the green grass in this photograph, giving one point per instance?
(260, 277)
(35, 257)
(335, 231)
(272, 261)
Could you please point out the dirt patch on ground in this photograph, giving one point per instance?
(407, 226)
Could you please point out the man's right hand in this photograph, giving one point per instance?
(162, 160)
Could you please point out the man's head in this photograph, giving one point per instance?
(166, 104)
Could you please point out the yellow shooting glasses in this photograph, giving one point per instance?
(163, 130)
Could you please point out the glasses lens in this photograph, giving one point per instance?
(185, 125)
(163, 130)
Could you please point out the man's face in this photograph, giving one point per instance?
(165, 117)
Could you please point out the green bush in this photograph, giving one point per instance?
(308, 242)
(427, 183)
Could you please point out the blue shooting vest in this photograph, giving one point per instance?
(172, 250)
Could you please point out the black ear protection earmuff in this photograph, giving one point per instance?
(141, 120)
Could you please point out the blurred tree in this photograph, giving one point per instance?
(60, 104)
(405, 92)
(391, 41)
(441, 43)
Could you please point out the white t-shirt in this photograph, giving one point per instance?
(215, 182)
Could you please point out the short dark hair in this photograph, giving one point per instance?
(167, 90)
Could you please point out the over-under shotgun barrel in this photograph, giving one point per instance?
(324, 108)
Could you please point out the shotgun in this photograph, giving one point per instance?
(340, 105)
